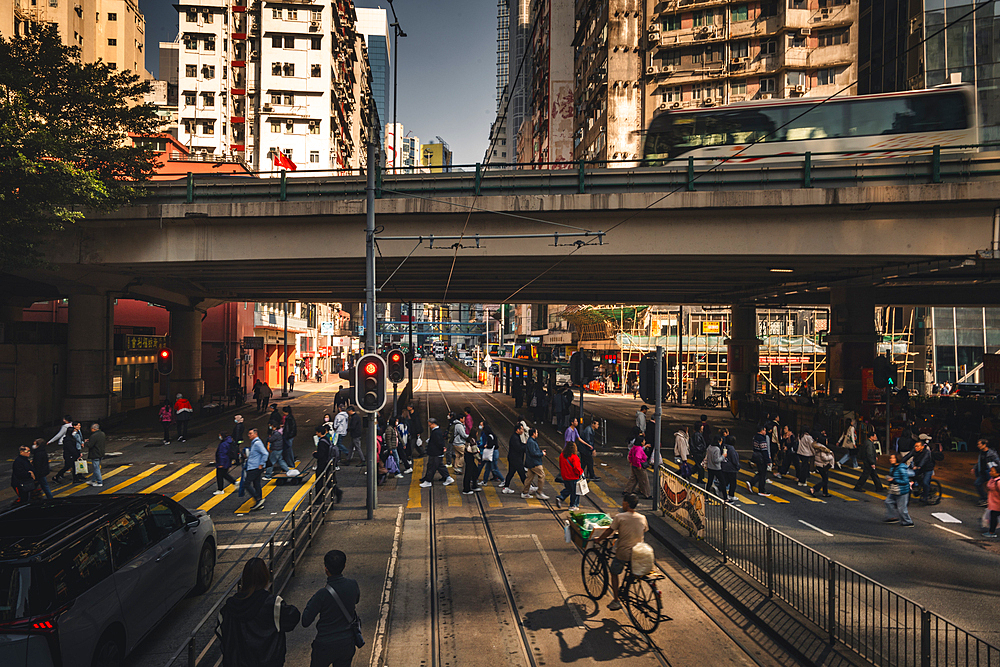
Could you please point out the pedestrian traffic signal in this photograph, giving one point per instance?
(582, 368)
(165, 361)
(396, 365)
(647, 378)
(349, 374)
(880, 372)
(370, 387)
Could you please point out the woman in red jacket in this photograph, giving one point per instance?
(571, 472)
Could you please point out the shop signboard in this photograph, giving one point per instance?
(140, 343)
(253, 342)
(327, 328)
(711, 328)
(869, 392)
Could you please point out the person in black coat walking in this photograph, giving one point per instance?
(72, 448)
(435, 456)
(22, 476)
(515, 458)
(225, 454)
(291, 430)
(254, 621)
(334, 644)
(867, 460)
(40, 464)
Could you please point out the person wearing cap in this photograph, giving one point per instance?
(182, 415)
(923, 463)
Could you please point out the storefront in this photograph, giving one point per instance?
(135, 382)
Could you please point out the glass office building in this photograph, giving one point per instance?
(960, 337)
(374, 25)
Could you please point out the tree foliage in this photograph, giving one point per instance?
(64, 141)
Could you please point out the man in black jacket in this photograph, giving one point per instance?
(356, 432)
(40, 464)
(334, 644)
(866, 457)
(22, 476)
(289, 431)
(923, 463)
(435, 456)
(515, 459)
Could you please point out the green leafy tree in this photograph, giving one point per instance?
(64, 141)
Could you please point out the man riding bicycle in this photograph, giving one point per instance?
(631, 527)
(923, 464)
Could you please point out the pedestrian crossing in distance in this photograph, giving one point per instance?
(191, 484)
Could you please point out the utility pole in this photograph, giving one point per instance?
(579, 356)
(284, 354)
(370, 420)
(658, 417)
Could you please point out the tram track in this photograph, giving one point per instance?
(503, 412)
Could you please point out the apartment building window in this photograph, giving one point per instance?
(293, 15)
(697, 92)
(704, 18)
(289, 42)
(826, 77)
(112, 42)
(834, 37)
(289, 127)
(191, 71)
(314, 157)
(192, 17)
(768, 9)
(290, 100)
(188, 126)
(833, 3)
(796, 79)
(276, 14)
(797, 4)
(288, 69)
(315, 16)
(112, 16)
(207, 17)
(275, 127)
(276, 41)
(697, 56)
(210, 44)
(317, 70)
(670, 58)
(190, 42)
(767, 85)
(314, 127)
(208, 100)
(316, 43)
(741, 49)
(208, 127)
(738, 87)
(208, 71)
(713, 53)
(768, 47)
(276, 69)
(672, 22)
(275, 98)
(190, 99)
(672, 94)
(797, 41)
(739, 13)
(112, 66)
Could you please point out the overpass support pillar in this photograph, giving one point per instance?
(185, 340)
(89, 361)
(850, 345)
(742, 353)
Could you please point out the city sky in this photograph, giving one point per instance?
(447, 67)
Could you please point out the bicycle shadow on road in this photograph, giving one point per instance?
(604, 639)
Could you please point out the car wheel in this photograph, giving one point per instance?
(110, 651)
(206, 569)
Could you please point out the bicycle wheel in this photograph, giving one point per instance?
(594, 569)
(643, 604)
(934, 492)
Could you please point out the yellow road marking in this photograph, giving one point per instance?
(300, 493)
(166, 480)
(80, 487)
(454, 495)
(743, 499)
(851, 486)
(597, 491)
(245, 507)
(215, 500)
(208, 477)
(843, 497)
(796, 492)
(132, 480)
(414, 495)
(492, 497)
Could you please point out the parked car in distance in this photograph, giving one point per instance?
(417, 358)
(83, 580)
(439, 356)
(470, 362)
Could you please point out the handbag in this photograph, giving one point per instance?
(80, 467)
(582, 488)
(359, 639)
(487, 454)
(30, 485)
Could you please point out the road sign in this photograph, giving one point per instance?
(253, 342)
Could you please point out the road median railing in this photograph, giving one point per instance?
(281, 550)
(881, 626)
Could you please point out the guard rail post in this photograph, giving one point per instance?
(925, 638)
(283, 188)
(807, 177)
(936, 165)
(270, 555)
(769, 560)
(191, 655)
(725, 535)
(190, 187)
(690, 182)
(292, 540)
(581, 183)
(831, 599)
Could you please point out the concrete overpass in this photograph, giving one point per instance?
(918, 231)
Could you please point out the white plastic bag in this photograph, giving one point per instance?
(568, 536)
(643, 559)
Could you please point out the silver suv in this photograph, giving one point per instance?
(83, 580)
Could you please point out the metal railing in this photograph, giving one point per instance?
(921, 165)
(282, 550)
(883, 627)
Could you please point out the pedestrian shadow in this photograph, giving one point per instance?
(604, 639)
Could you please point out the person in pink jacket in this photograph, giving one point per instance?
(993, 500)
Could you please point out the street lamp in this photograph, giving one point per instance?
(397, 32)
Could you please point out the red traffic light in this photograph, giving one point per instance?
(396, 366)
(165, 361)
(395, 357)
(164, 353)
(370, 368)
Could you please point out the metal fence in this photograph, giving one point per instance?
(883, 627)
(282, 551)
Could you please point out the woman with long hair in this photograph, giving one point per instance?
(470, 478)
(571, 471)
(254, 621)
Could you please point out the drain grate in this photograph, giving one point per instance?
(412, 515)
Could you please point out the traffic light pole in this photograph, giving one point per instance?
(372, 501)
(657, 424)
(579, 356)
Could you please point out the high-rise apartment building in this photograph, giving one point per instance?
(548, 127)
(272, 76)
(405, 160)
(374, 25)
(711, 53)
(110, 30)
(436, 156)
(503, 48)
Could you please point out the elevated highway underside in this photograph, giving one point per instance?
(917, 244)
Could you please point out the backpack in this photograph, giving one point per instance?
(166, 414)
